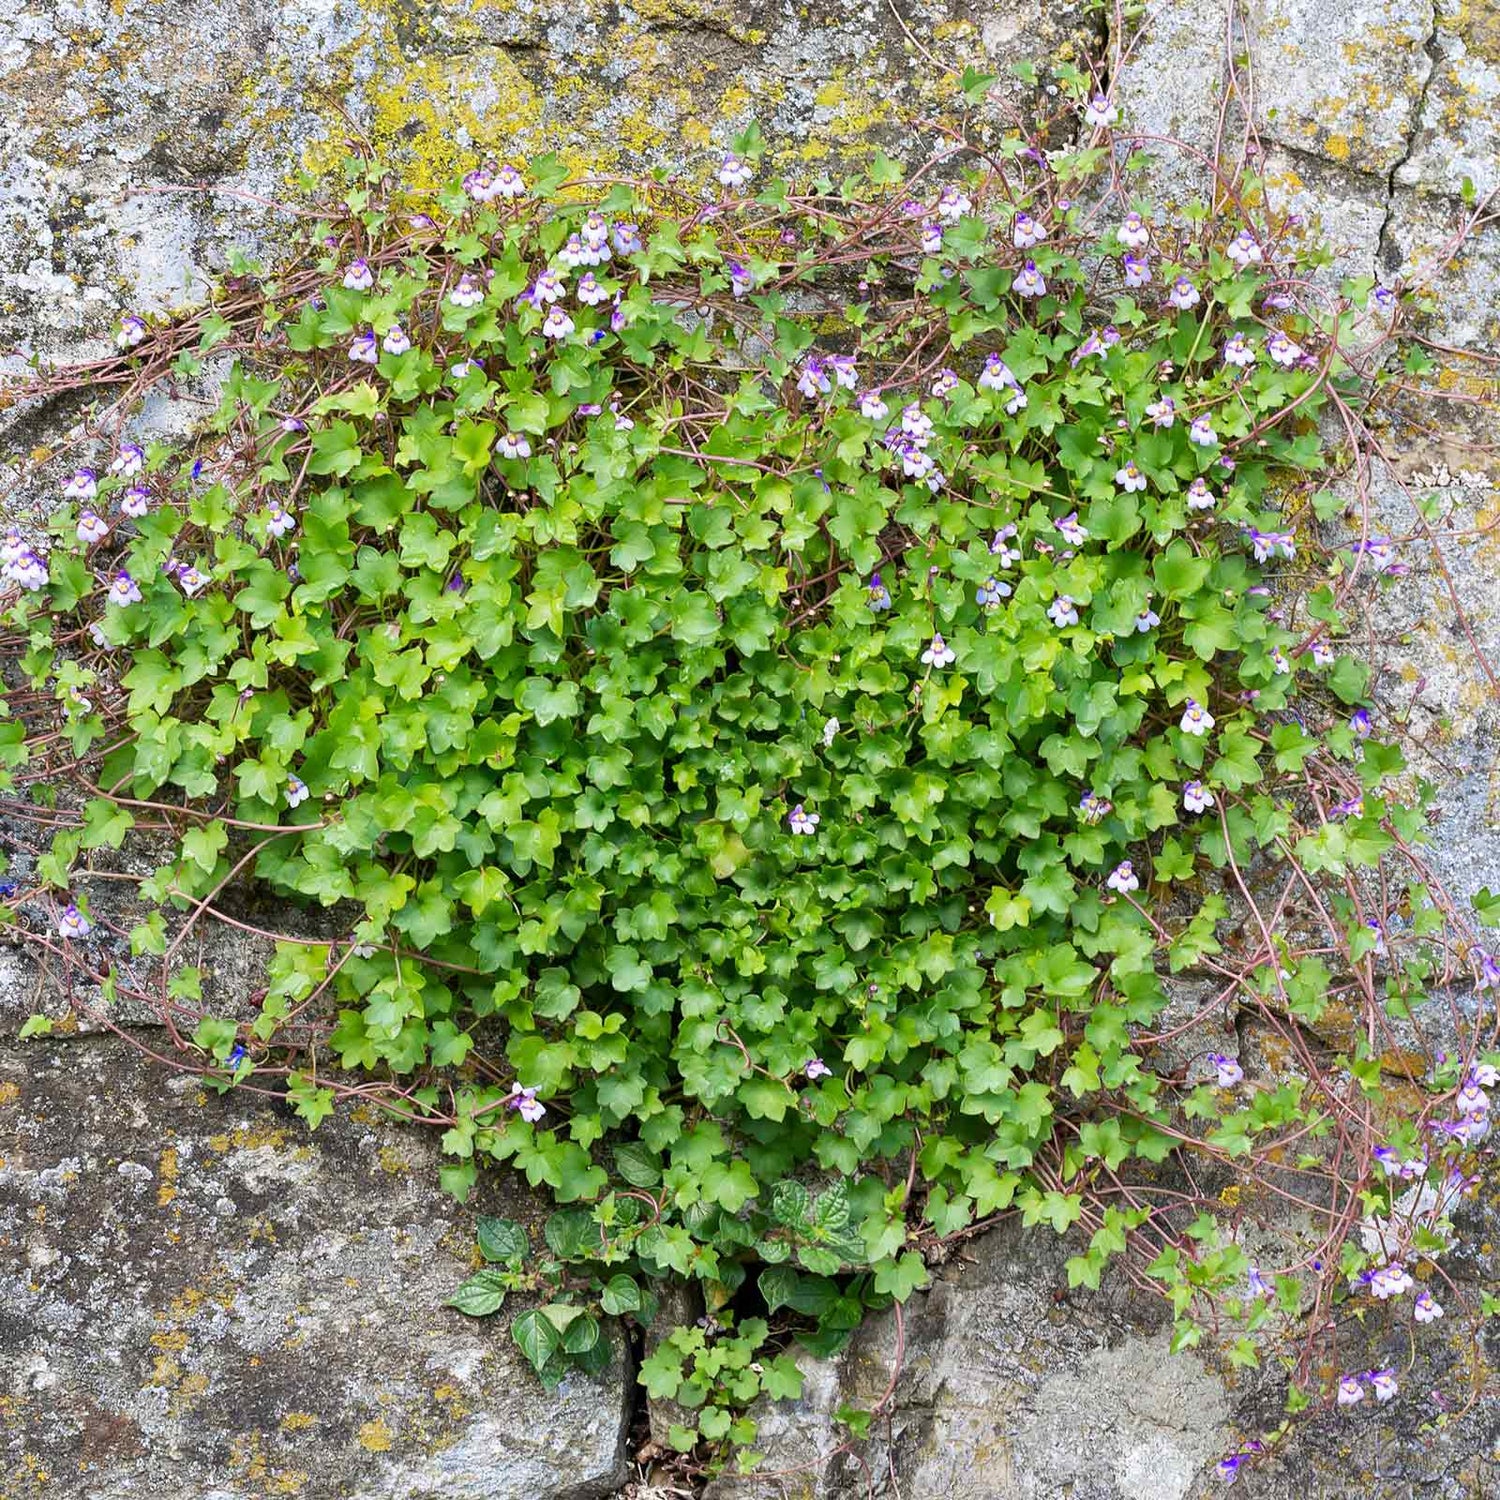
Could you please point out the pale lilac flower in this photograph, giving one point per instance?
(1322, 653)
(1196, 797)
(880, 596)
(939, 653)
(1029, 282)
(359, 277)
(191, 580)
(575, 253)
(803, 822)
(622, 422)
(1072, 532)
(1259, 1286)
(1196, 720)
(1472, 1102)
(547, 289)
(1227, 1072)
(83, 485)
(1426, 1309)
(1383, 298)
(1486, 1075)
(514, 445)
(594, 231)
(953, 203)
(279, 522)
(1350, 1392)
(124, 590)
(1199, 496)
(72, 923)
(1137, 270)
(1352, 807)
(815, 1068)
(1093, 808)
(1389, 1160)
(509, 183)
(1123, 878)
(1017, 402)
(131, 331)
(945, 384)
(872, 407)
(830, 732)
(296, 791)
(1282, 350)
(991, 592)
(468, 293)
(1091, 346)
(1279, 664)
(915, 464)
(1147, 620)
(1373, 923)
(557, 324)
(1062, 612)
(1243, 249)
(734, 173)
(1100, 112)
(1130, 478)
(814, 381)
(1202, 432)
(13, 548)
(626, 239)
(1028, 232)
(590, 292)
(1183, 294)
(1383, 1383)
(1237, 352)
(931, 238)
(1134, 234)
(1228, 1468)
(1359, 722)
(996, 375)
(845, 374)
(479, 184)
(130, 460)
(364, 350)
(29, 570)
(1000, 547)
(741, 279)
(91, 528)
(916, 424)
(396, 341)
(525, 1102)
(1389, 1281)
(1163, 411)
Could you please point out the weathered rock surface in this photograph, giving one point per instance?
(198, 1298)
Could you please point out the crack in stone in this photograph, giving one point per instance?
(1434, 57)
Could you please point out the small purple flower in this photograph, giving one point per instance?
(191, 580)
(1350, 1392)
(1163, 411)
(1073, 533)
(91, 528)
(1383, 1383)
(1029, 282)
(1199, 496)
(1383, 298)
(953, 203)
(296, 791)
(468, 293)
(1202, 432)
(557, 324)
(131, 331)
(514, 445)
(1123, 878)
(845, 373)
(359, 277)
(364, 350)
(996, 375)
(547, 289)
(627, 239)
(803, 822)
(1472, 1102)
(815, 1068)
(130, 460)
(72, 923)
(1093, 808)
(1259, 1286)
(872, 407)
(1243, 249)
(1196, 720)
(525, 1102)
(1352, 807)
(1228, 1468)
(509, 183)
(279, 522)
(1133, 233)
(1426, 1309)
(396, 341)
(84, 485)
(1282, 350)
(734, 173)
(939, 653)
(1130, 478)
(1359, 722)
(931, 238)
(1028, 232)
(944, 384)
(991, 592)
(814, 381)
(1147, 621)
(741, 279)
(1237, 352)
(1100, 113)
(590, 292)
(1183, 294)
(1000, 547)
(480, 184)
(1226, 1070)
(28, 570)
(1389, 1160)
(124, 590)
(1062, 611)
(1137, 270)
(880, 597)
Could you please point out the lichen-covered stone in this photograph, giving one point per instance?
(197, 1297)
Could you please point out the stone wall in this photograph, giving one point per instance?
(200, 1300)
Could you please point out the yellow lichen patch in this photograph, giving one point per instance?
(297, 1421)
(167, 1173)
(393, 1160)
(247, 1138)
(188, 1394)
(375, 1436)
(9, 1093)
(165, 1371)
(174, 1342)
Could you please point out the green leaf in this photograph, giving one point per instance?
(501, 1239)
(482, 1294)
(536, 1336)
